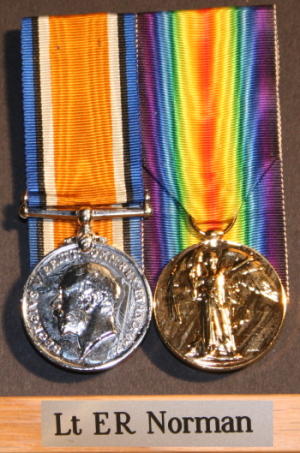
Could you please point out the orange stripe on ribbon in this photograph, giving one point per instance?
(82, 122)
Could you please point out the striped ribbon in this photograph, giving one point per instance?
(211, 130)
(82, 130)
(208, 84)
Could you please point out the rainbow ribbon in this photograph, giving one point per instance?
(211, 130)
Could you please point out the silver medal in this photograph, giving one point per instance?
(86, 305)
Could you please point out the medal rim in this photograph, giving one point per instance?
(219, 368)
(68, 365)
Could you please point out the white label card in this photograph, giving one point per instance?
(157, 423)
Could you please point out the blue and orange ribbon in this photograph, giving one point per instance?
(82, 124)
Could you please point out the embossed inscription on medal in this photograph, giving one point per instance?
(86, 311)
(219, 305)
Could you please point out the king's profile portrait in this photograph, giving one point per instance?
(84, 307)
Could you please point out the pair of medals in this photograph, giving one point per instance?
(218, 305)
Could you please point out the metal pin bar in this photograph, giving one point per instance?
(104, 212)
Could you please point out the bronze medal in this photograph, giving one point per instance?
(219, 305)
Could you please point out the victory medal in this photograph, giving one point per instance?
(211, 126)
(219, 305)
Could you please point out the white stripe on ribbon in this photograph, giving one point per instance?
(117, 232)
(47, 127)
(48, 236)
(117, 129)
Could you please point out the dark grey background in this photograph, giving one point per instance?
(151, 369)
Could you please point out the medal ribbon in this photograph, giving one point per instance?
(82, 132)
(208, 84)
(211, 130)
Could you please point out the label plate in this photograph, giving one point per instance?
(157, 423)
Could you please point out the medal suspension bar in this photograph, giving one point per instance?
(97, 213)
